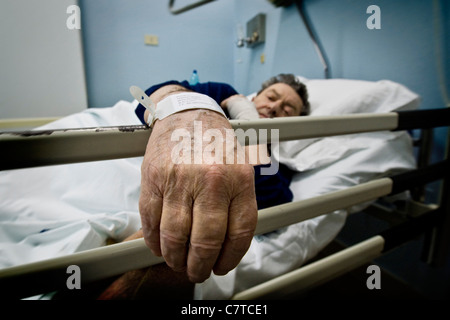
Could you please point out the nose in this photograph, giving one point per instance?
(275, 109)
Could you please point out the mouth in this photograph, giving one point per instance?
(262, 116)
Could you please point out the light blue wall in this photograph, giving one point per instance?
(116, 56)
(403, 50)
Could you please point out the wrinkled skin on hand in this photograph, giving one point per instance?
(199, 217)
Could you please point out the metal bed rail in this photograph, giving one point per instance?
(316, 273)
(45, 276)
(51, 147)
(104, 262)
(344, 261)
(25, 122)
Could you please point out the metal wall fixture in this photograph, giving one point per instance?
(256, 32)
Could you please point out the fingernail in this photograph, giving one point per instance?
(156, 252)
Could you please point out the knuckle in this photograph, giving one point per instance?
(150, 219)
(149, 170)
(242, 236)
(205, 250)
(214, 173)
(245, 174)
(152, 244)
(173, 241)
(239, 245)
(225, 177)
(174, 248)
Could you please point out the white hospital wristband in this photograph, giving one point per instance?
(181, 102)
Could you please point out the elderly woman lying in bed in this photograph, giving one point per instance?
(193, 250)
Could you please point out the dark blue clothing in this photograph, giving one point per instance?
(216, 90)
(271, 190)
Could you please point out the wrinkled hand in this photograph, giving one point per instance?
(199, 217)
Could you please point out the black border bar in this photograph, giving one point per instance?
(415, 178)
(410, 230)
(423, 119)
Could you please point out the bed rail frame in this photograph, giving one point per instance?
(50, 147)
(32, 148)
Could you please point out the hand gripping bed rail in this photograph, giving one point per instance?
(51, 147)
(104, 262)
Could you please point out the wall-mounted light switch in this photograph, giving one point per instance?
(151, 40)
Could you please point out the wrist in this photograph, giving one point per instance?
(185, 119)
(181, 102)
(185, 138)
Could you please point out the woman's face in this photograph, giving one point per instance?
(278, 100)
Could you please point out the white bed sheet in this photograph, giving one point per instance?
(43, 216)
(57, 210)
(324, 165)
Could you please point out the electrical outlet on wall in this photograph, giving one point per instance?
(151, 40)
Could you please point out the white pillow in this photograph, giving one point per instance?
(344, 96)
(337, 97)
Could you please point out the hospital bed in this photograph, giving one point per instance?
(66, 192)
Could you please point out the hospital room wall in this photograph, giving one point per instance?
(117, 57)
(403, 50)
(41, 63)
